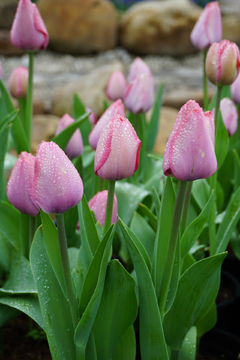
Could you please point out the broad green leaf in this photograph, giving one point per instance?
(152, 341)
(8, 120)
(50, 237)
(28, 304)
(126, 347)
(79, 110)
(7, 313)
(70, 221)
(54, 305)
(207, 322)
(222, 139)
(189, 346)
(229, 222)
(194, 229)
(5, 253)
(117, 311)
(236, 170)
(92, 292)
(64, 136)
(9, 223)
(152, 128)
(145, 211)
(201, 284)
(200, 192)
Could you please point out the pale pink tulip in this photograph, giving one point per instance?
(18, 82)
(137, 68)
(57, 185)
(116, 86)
(117, 108)
(208, 28)
(74, 147)
(92, 117)
(20, 184)
(118, 150)
(229, 115)
(28, 29)
(99, 203)
(223, 63)
(190, 152)
(235, 90)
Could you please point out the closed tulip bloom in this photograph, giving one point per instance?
(28, 29)
(18, 82)
(117, 108)
(20, 184)
(74, 147)
(229, 115)
(57, 185)
(137, 68)
(190, 152)
(99, 203)
(208, 28)
(235, 90)
(116, 86)
(92, 117)
(118, 150)
(139, 95)
(223, 63)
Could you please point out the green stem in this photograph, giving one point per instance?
(186, 205)
(174, 354)
(108, 216)
(33, 228)
(172, 244)
(217, 106)
(29, 105)
(66, 269)
(22, 112)
(24, 233)
(205, 83)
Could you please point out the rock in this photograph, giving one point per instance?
(167, 119)
(6, 48)
(44, 128)
(80, 26)
(38, 106)
(176, 99)
(161, 27)
(231, 27)
(91, 89)
(7, 12)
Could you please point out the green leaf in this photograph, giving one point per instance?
(54, 305)
(126, 347)
(189, 346)
(152, 342)
(145, 211)
(64, 136)
(117, 311)
(8, 120)
(201, 284)
(194, 229)
(230, 220)
(200, 192)
(70, 221)
(152, 128)
(79, 110)
(7, 313)
(207, 322)
(92, 291)
(9, 223)
(236, 170)
(222, 140)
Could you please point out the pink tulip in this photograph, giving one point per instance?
(75, 145)
(118, 150)
(57, 186)
(190, 152)
(229, 115)
(28, 29)
(137, 68)
(235, 90)
(117, 108)
(92, 117)
(223, 63)
(20, 184)
(18, 82)
(139, 95)
(116, 86)
(208, 28)
(99, 203)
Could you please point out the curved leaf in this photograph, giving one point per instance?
(10, 224)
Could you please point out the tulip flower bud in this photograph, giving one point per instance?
(57, 186)
(20, 184)
(75, 145)
(235, 90)
(190, 152)
(137, 68)
(139, 95)
(208, 28)
(116, 86)
(229, 115)
(117, 108)
(223, 63)
(92, 117)
(28, 29)
(118, 150)
(99, 204)
(18, 82)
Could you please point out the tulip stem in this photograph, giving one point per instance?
(170, 257)
(217, 106)
(108, 216)
(205, 83)
(186, 206)
(66, 268)
(22, 110)
(29, 105)
(24, 233)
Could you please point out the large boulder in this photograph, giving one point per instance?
(80, 26)
(159, 27)
(7, 12)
